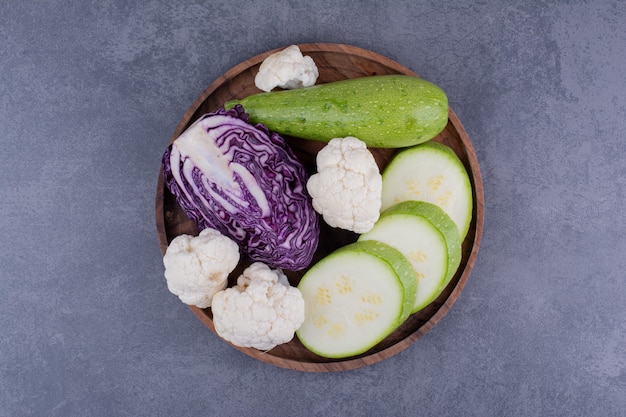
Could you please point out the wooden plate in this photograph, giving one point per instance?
(335, 62)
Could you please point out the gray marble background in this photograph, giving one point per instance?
(90, 92)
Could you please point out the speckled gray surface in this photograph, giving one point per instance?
(90, 92)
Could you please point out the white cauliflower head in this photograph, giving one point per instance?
(287, 69)
(347, 188)
(196, 267)
(262, 311)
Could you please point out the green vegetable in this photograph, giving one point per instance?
(354, 298)
(385, 111)
(430, 172)
(428, 238)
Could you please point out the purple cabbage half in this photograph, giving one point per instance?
(246, 182)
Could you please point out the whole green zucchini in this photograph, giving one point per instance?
(384, 111)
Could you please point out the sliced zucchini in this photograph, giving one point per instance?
(354, 298)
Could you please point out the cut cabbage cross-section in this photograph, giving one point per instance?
(247, 183)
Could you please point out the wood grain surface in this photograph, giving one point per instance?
(335, 62)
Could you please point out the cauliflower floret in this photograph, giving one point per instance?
(347, 189)
(287, 69)
(262, 311)
(196, 267)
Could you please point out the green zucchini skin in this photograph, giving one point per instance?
(384, 111)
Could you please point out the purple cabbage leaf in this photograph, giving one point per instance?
(246, 182)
